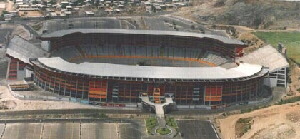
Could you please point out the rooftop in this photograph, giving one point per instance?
(23, 50)
(266, 56)
(152, 72)
(61, 33)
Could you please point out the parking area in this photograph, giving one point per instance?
(70, 130)
(99, 130)
(21, 131)
(129, 131)
(61, 131)
(196, 129)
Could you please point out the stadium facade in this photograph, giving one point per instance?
(191, 68)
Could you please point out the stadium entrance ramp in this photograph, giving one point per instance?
(159, 108)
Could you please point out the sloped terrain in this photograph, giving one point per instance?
(262, 14)
(275, 122)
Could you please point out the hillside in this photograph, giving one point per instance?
(275, 122)
(262, 14)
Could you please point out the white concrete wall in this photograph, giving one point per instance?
(28, 73)
(271, 82)
(45, 45)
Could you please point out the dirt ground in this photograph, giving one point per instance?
(22, 32)
(30, 13)
(9, 6)
(10, 102)
(275, 122)
(200, 8)
(295, 75)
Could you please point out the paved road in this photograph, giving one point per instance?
(73, 120)
(196, 129)
(70, 111)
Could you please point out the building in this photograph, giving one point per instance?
(269, 57)
(117, 65)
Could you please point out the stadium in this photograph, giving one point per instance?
(119, 66)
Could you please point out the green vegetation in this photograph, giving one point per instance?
(52, 2)
(78, 2)
(37, 27)
(289, 100)
(96, 115)
(2, 15)
(34, 2)
(244, 120)
(243, 125)
(291, 40)
(151, 123)
(163, 131)
(254, 108)
(171, 122)
(249, 109)
(5, 12)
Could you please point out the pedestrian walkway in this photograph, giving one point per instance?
(159, 108)
(160, 115)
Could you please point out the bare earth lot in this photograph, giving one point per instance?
(275, 122)
(10, 102)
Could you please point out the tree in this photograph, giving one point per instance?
(193, 27)
(97, 3)
(52, 2)
(220, 3)
(34, 2)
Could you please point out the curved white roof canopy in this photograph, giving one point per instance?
(156, 72)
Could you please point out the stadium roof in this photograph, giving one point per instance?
(266, 56)
(154, 72)
(61, 33)
(23, 50)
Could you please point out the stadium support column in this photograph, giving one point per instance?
(241, 89)
(285, 79)
(130, 92)
(248, 91)
(83, 88)
(70, 91)
(210, 97)
(204, 94)
(236, 93)
(59, 87)
(35, 80)
(45, 83)
(256, 90)
(106, 88)
(186, 95)
(222, 95)
(76, 88)
(54, 84)
(65, 88)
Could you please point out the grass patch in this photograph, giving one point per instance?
(37, 27)
(289, 39)
(163, 131)
(289, 100)
(243, 125)
(151, 123)
(96, 115)
(250, 109)
(171, 122)
(254, 108)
